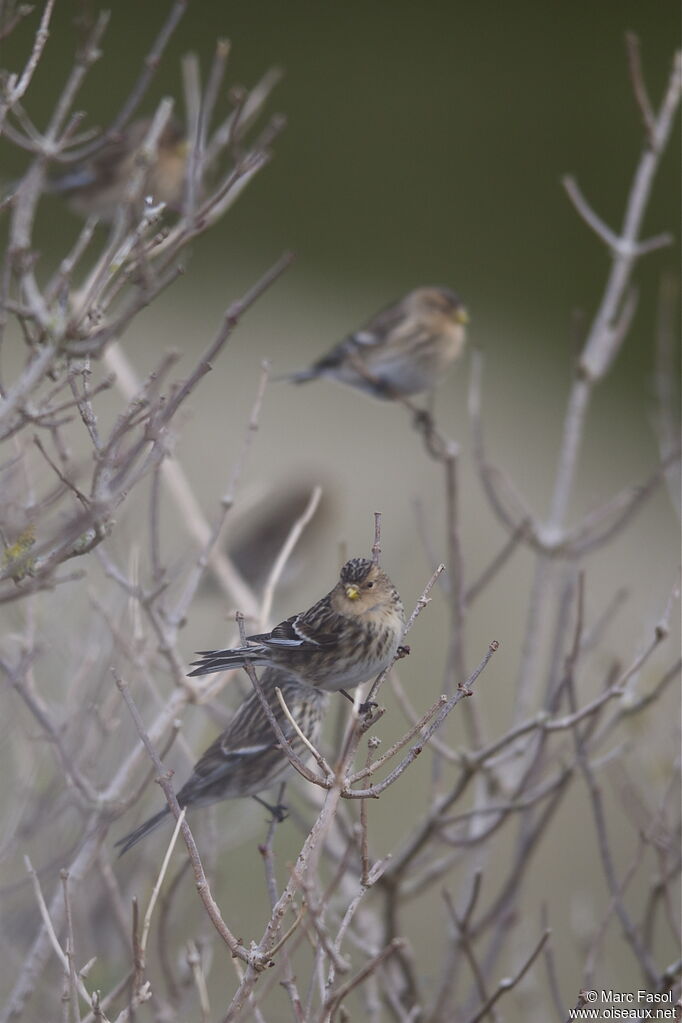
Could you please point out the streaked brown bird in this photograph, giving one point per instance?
(247, 758)
(346, 638)
(100, 185)
(403, 350)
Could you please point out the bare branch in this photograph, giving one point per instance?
(285, 553)
(376, 546)
(235, 947)
(609, 237)
(509, 982)
(639, 86)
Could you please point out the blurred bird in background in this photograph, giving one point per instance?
(247, 758)
(100, 185)
(268, 509)
(346, 638)
(405, 349)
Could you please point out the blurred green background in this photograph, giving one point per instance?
(425, 144)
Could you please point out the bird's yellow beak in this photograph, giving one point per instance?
(462, 316)
(352, 592)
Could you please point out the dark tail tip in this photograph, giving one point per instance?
(301, 377)
(128, 841)
(304, 377)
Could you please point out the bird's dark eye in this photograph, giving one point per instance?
(369, 585)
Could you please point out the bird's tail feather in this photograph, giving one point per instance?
(79, 177)
(300, 377)
(222, 660)
(128, 841)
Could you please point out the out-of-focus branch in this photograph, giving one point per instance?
(16, 85)
(605, 335)
(163, 778)
(149, 67)
(509, 982)
(666, 382)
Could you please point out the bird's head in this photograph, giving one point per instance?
(439, 303)
(362, 587)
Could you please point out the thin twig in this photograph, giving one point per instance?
(376, 546)
(146, 924)
(54, 940)
(235, 947)
(509, 982)
(639, 88)
(464, 689)
(70, 946)
(315, 753)
(285, 553)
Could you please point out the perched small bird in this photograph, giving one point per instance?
(99, 186)
(404, 349)
(247, 758)
(346, 638)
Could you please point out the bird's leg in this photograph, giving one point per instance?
(383, 389)
(369, 705)
(279, 812)
(364, 708)
(424, 421)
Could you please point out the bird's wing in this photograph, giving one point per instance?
(219, 762)
(371, 333)
(248, 735)
(80, 177)
(306, 631)
(382, 323)
(112, 155)
(223, 755)
(284, 634)
(101, 170)
(318, 627)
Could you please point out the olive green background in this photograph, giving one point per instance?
(425, 143)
